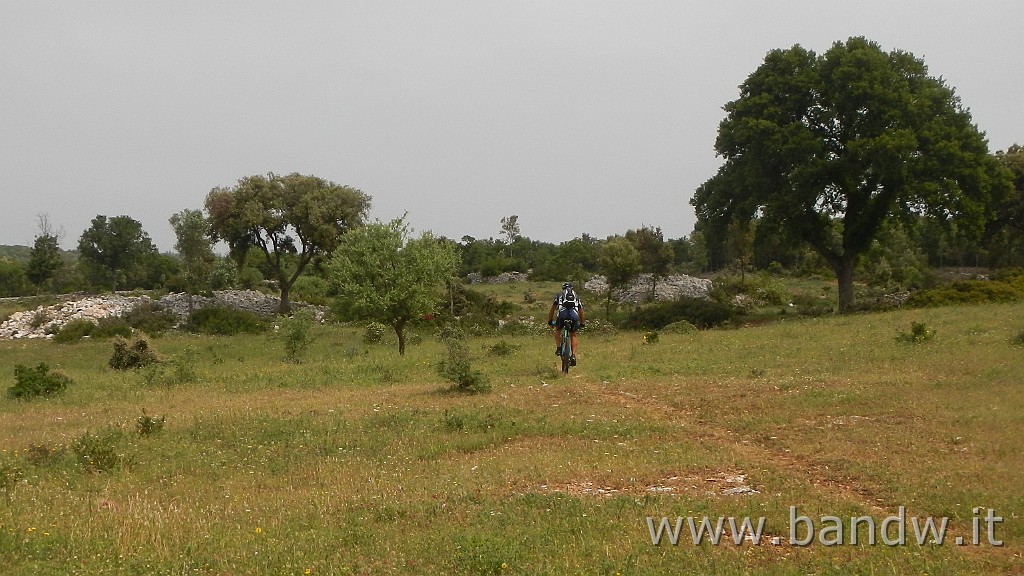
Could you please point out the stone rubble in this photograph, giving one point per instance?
(45, 321)
(669, 288)
(503, 278)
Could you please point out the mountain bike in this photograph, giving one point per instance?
(565, 350)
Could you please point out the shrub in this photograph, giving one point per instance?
(183, 367)
(502, 348)
(761, 290)
(451, 331)
(224, 321)
(700, 313)
(150, 318)
(651, 337)
(680, 327)
(1018, 340)
(919, 332)
(74, 331)
(311, 290)
(39, 317)
(297, 334)
(99, 452)
(599, 326)
(375, 332)
(43, 455)
(456, 368)
(38, 381)
(135, 355)
(966, 292)
(146, 425)
(112, 327)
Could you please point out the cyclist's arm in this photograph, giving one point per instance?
(580, 312)
(551, 313)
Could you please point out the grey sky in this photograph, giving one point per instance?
(579, 116)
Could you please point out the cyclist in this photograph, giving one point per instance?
(568, 305)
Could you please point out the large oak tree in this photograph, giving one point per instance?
(290, 219)
(829, 147)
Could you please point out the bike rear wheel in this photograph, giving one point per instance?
(566, 351)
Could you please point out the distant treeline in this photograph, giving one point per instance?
(902, 257)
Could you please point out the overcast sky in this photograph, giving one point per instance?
(578, 116)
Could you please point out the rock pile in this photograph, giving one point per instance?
(250, 300)
(670, 288)
(503, 278)
(45, 321)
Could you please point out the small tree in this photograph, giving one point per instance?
(381, 274)
(510, 230)
(195, 249)
(620, 263)
(44, 259)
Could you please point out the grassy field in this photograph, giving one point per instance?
(358, 461)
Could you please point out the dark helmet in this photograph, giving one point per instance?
(567, 286)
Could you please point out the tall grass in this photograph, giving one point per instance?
(359, 461)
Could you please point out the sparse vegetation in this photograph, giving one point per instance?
(546, 474)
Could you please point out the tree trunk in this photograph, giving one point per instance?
(844, 275)
(285, 306)
(400, 330)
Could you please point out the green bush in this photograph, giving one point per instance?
(680, 327)
(111, 328)
(374, 333)
(599, 326)
(99, 452)
(183, 367)
(311, 290)
(297, 334)
(74, 331)
(700, 313)
(456, 368)
(763, 290)
(224, 321)
(38, 381)
(135, 355)
(150, 318)
(919, 332)
(147, 425)
(966, 292)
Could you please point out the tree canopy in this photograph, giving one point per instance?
(290, 219)
(115, 247)
(382, 274)
(829, 147)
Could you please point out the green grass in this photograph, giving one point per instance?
(359, 461)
